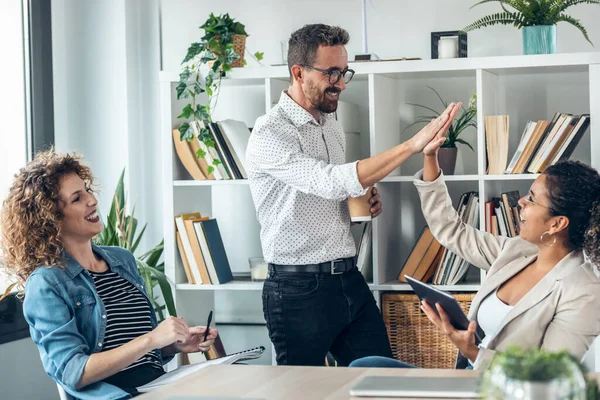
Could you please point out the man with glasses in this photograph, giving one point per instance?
(315, 300)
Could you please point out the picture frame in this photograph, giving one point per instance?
(462, 50)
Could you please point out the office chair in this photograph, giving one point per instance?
(63, 394)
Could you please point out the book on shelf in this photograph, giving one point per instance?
(225, 151)
(225, 156)
(496, 137)
(213, 250)
(187, 156)
(424, 258)
(201, 249)
(545, 143)
(452, 268)
(184, 260)
(187, 247)
(503, 214)
(530, 145)
(199, 256)
(211, 155)
(236, 135)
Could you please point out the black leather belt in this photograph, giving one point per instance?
(334, 267)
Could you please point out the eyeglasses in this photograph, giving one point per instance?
(334, 74)
(529, 199)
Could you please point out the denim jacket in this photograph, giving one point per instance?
(67, 319)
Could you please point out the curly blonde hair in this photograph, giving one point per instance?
(30, 218)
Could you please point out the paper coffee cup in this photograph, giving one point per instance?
(360, 207)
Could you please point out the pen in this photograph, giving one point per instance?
(207, 326)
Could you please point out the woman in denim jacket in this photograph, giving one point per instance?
(75, 291)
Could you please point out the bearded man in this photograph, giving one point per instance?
(315, 300)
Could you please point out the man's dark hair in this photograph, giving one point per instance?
(304, 43)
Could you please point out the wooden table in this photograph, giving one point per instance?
(279, 382)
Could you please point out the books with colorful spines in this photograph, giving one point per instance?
(417, 253)
(569, 145)
(550, 133)
(528, 152)
(213, 250)
(187, 247)
(510, 200)
(527, 132)
(199, 256)
(554, 145)
(187, 156)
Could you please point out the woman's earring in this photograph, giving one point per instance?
(542, 239)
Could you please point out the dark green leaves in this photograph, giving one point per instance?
(531, 13)
(194, 50)
(186, 132)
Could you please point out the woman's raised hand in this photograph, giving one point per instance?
(433, 135)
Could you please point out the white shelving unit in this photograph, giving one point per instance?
(524, 87)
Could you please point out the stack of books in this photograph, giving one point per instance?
(223, 158)
(544, 143)
(429, 259)
(502, 214)
(201, 249)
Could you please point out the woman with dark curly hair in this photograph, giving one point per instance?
(539, 291)
(86, 306)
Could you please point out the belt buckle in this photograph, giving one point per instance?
(333, 271)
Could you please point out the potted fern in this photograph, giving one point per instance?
(468, 118)
(538, 18)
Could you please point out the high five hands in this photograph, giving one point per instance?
(433, 135)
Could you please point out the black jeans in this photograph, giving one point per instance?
(310, 314)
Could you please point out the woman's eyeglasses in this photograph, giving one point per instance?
(334, 74)
(529, 199)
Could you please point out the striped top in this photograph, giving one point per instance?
(127, 315)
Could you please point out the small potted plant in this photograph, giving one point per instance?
(536, 374)
(448, 151)
(538, 18)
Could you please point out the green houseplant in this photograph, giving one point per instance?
(537, 374)
(120, 229)
(468, 118)
(538, 18)
(219, 50)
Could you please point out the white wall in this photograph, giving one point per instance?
(396, 28)
(13, 144)
(105, 66)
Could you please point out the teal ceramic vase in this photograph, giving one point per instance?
(539, 39)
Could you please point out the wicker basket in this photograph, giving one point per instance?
(239, 46)
(414, 339)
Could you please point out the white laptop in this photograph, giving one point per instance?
(417, 386)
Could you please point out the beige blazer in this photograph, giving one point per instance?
(561, 312)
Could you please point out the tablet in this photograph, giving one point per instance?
(433, 296)
(462, 387)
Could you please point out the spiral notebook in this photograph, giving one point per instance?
(186, 370)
